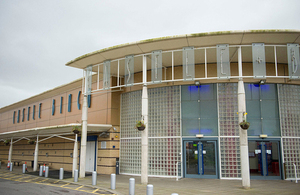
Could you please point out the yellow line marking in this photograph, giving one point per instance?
(95, 191)
(78, 187)
(56, 182)
(65, 185)
(41, 181)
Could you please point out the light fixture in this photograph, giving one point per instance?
(197, 83)
(263, 136)
(261, 82)
(199, 135)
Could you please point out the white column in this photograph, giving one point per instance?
(144, 163)
(83, 137)
(75, 155)
(36, 154)
(10, 150)
(243, 133)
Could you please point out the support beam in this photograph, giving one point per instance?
(10, 150)
(83, 138)
(144, 163)
(75, 155)
(36, 154)
(243, 133)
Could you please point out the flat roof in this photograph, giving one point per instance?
(197, 40)
(51, 130)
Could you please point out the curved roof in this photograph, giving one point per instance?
(177, 42)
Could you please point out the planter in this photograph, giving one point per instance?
(6, 144)
(76, 131)
(245, 125)
(141, 128)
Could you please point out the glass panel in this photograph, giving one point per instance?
(271, 127)
(190, 127)
(129, 70)
(258, 59)
(156, 66)
(190, 109)
(223, 63)
(188, 62)
(209, 160)
(255, 127)
(185, 92)
(269, 109)
(293, 59)
(253, 109)
(191, 157)
(252, 91)
(106, 74)
(255, 160)
(268, 91)
(208, 126)
(272, 151)
(207, 92)
(208, 109)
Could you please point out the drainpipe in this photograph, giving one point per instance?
(36, 154)
(144, 163)
(243, 133)
(75, 155)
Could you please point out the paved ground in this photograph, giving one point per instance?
(186, 186)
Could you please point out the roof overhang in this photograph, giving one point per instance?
(53, 130)
(178, 42)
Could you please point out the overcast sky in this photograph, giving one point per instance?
(38, 37)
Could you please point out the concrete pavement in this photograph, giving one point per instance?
(187, 186)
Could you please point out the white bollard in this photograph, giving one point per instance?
(113, 181)
(61, 173)
(150, 189)
(47, 171)
(94, 178)
(76, 175)
(41, 171)
(131, 186)
(11, 167)
(174, 194)
(24, 168)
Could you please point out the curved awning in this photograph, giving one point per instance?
(53, 130)
(178, 42)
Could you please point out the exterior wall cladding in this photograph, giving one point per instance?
(179, 111)
(277, 116)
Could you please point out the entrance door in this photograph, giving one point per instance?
(264, 159)
(200, 159)
(90, 156)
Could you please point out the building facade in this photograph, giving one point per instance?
(192, 119)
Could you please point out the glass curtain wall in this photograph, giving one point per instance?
(289, 101)
(199, 110)
(262, 109)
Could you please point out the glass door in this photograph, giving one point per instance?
(200, 159)
(264, 159)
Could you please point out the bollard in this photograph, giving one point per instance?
(94, 178)
(76, 175)
(47, 171)
(8, 165)
(113, 181)
(150, 189)
(131, 186)
(41, 171)
(11, 167)
(174, 194)
(24, 168)
(61, 173)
